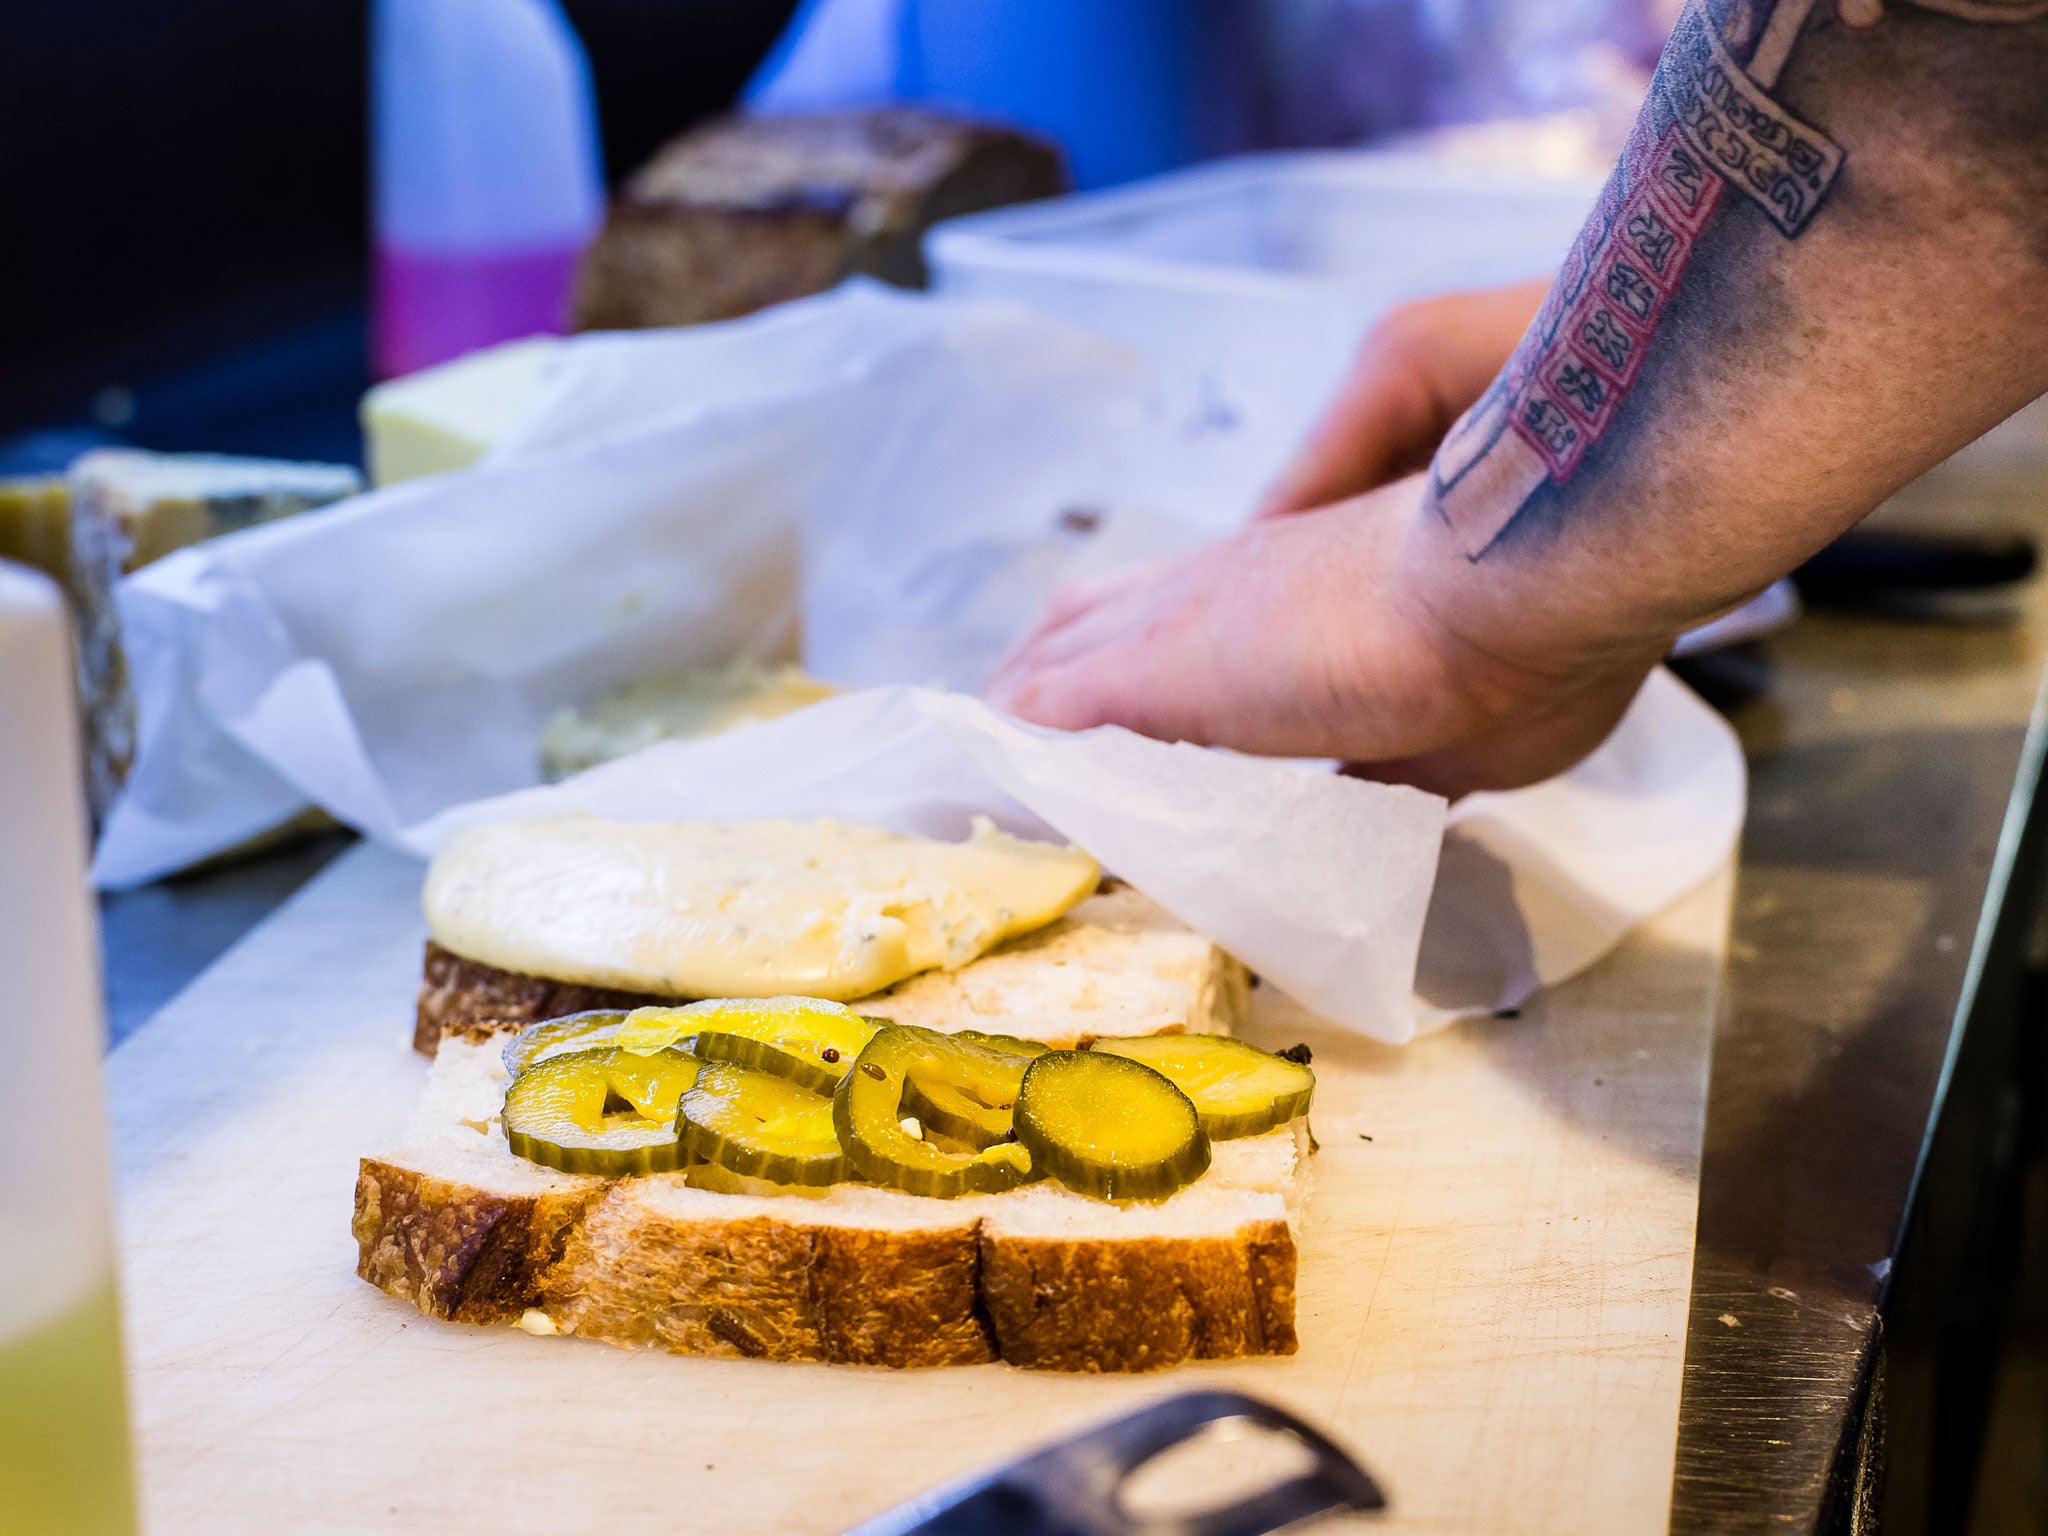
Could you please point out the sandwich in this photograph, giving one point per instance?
(810, 1091)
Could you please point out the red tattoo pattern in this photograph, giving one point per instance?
(1710, 125)
(1597, 321)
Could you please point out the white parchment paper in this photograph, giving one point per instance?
(904, 480)
(1268, 858)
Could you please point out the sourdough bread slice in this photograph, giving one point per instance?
(1117, 964)
(456, 1223)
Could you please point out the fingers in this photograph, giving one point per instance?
(1066, 672)
(1303, 637)
(1418, 369)
(1075, 597)
(1382, 424)
(1232, 644)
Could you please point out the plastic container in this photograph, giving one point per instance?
(486, 176)
(64, 1458)
(1262, 272)
(1259, 275)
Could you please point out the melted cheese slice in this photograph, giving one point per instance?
(739, 908)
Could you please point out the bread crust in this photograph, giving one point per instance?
(1086, 1304)
(769, 1288)
(459, 996)
(458, 1252)
(605, 1263)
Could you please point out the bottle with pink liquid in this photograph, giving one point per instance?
(486, 181)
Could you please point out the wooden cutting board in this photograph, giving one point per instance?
(1492, 1292)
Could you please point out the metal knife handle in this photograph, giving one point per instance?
(1072, 1487)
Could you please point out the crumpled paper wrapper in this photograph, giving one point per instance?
(1263, 856)
(905, 480)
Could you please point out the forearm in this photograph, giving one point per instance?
(1723, 378)
(1734, 365)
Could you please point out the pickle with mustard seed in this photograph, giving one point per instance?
(884, 1139)
(1107, 1126)
(554, 1037)
(760, 1126)
(1237, 1089)
(805, 1039)
(603, 1112)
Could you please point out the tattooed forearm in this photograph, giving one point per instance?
(1820, 267)
(1715, 143)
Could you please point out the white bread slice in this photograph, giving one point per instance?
(1118, 964)
(455, 1222)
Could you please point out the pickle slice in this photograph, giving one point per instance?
(947, 1110)
(1010, 1045)
(951, 1110)
(1238, 1089)
(552, 1037)
(1107, 1126)
(725, 1182)
(603, 1112)
(869, 1110)
(805, 1039)
(760, 1126)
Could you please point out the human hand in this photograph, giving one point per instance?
(1416, 372)
(1356, 632)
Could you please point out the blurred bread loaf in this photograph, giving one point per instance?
(747, 212)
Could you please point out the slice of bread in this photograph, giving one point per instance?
(1117, 964)
(458, 996)
(456, 1223)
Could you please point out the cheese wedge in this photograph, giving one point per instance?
(129, 508)
(448, 416)
(739, 908)
(35, 525)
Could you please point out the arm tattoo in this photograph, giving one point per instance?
(1709, 131)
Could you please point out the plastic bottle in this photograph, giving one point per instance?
(64, 1460)
(486, 179)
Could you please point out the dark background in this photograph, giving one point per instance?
(182, 253)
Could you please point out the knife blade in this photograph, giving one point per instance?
(1073, 1486)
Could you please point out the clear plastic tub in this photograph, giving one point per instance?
(1262, 272)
